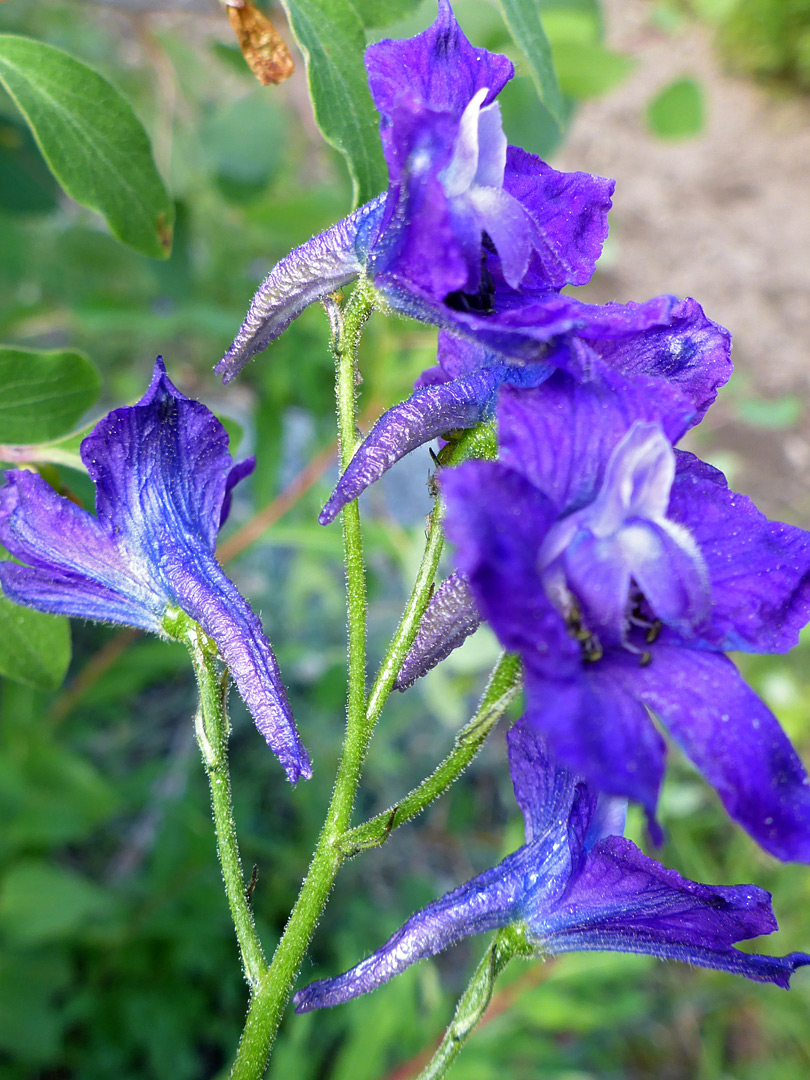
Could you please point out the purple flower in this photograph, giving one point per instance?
(690, 353)
(574, 886)
(464, 215)
(163, 478)
(621, 570)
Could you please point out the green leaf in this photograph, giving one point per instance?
(26, 186)
(678, 111)
(588, 70)
(91, 139)
(330, 34)
(41, 903)
(44, 393)
(34, 647)
(376, 13)
(522, 17)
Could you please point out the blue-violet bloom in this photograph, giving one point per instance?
(470, 231)
(576, 885)
(621, 571)
(691, 353)
(163, 477)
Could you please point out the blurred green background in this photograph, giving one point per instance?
(117, 957)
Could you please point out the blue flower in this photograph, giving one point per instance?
(467, 225)
(691, 354)
(621, 571)
(163, 478)
(576, 885)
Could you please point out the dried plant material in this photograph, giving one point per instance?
(263, 48)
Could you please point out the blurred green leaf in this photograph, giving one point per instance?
(522, 17)
(243, 143)
(26, 186)
(91, 139)
(376, 13)
(677, 112)
(778, 413)
(44, 393)
(34, 647)
(589, 70)
(330, 34)
(41, 903)
(31, 1017)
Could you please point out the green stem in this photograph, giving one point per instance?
(271, 996)
(212, 728)
(503, 686)
(473, 1003)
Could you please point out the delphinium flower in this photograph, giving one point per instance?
(691, 353)
(163, 477)
(621, 571)
(471, 235)
(575, 885)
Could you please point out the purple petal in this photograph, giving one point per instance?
(595, 725)
(692, 352)
(451, 616)
(240, 471)
(497, 522)
(77, 567)
(733, 739)
(201, 589)
(759, 569)
(545, 791)
(570, 210)
(561, 435)
(309, 273)
(626, 902)
(160, 469)
(489, 901)
(438, 67)
(428, 413)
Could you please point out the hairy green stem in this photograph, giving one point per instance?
(212, 728)
(473, 1003)
(503, 686)
(272, 995)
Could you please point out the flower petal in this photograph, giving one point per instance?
(428, 413)
(486, 902)
(240, 471)
(735, 741)
(438, 67)
(77, 567)
(451, 616)
(759, 569)
(570, 211)
(595, 725)
(691, 351)
(497, 522)
(200, 587)
(626, 902)
(309, 273)
(561, 435)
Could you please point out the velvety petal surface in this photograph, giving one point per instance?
(691, 351)
(449, 619)
(428, 413)
(595, 724)
(561, 435)
(438, 67)
(497, 522)
(733, 738)
(485, 903)
(570, 211)
(76, 566)
(624, 901)
(201, 588)
(759, 569)
(308, 273)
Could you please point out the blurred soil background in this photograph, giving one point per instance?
(116, 951)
